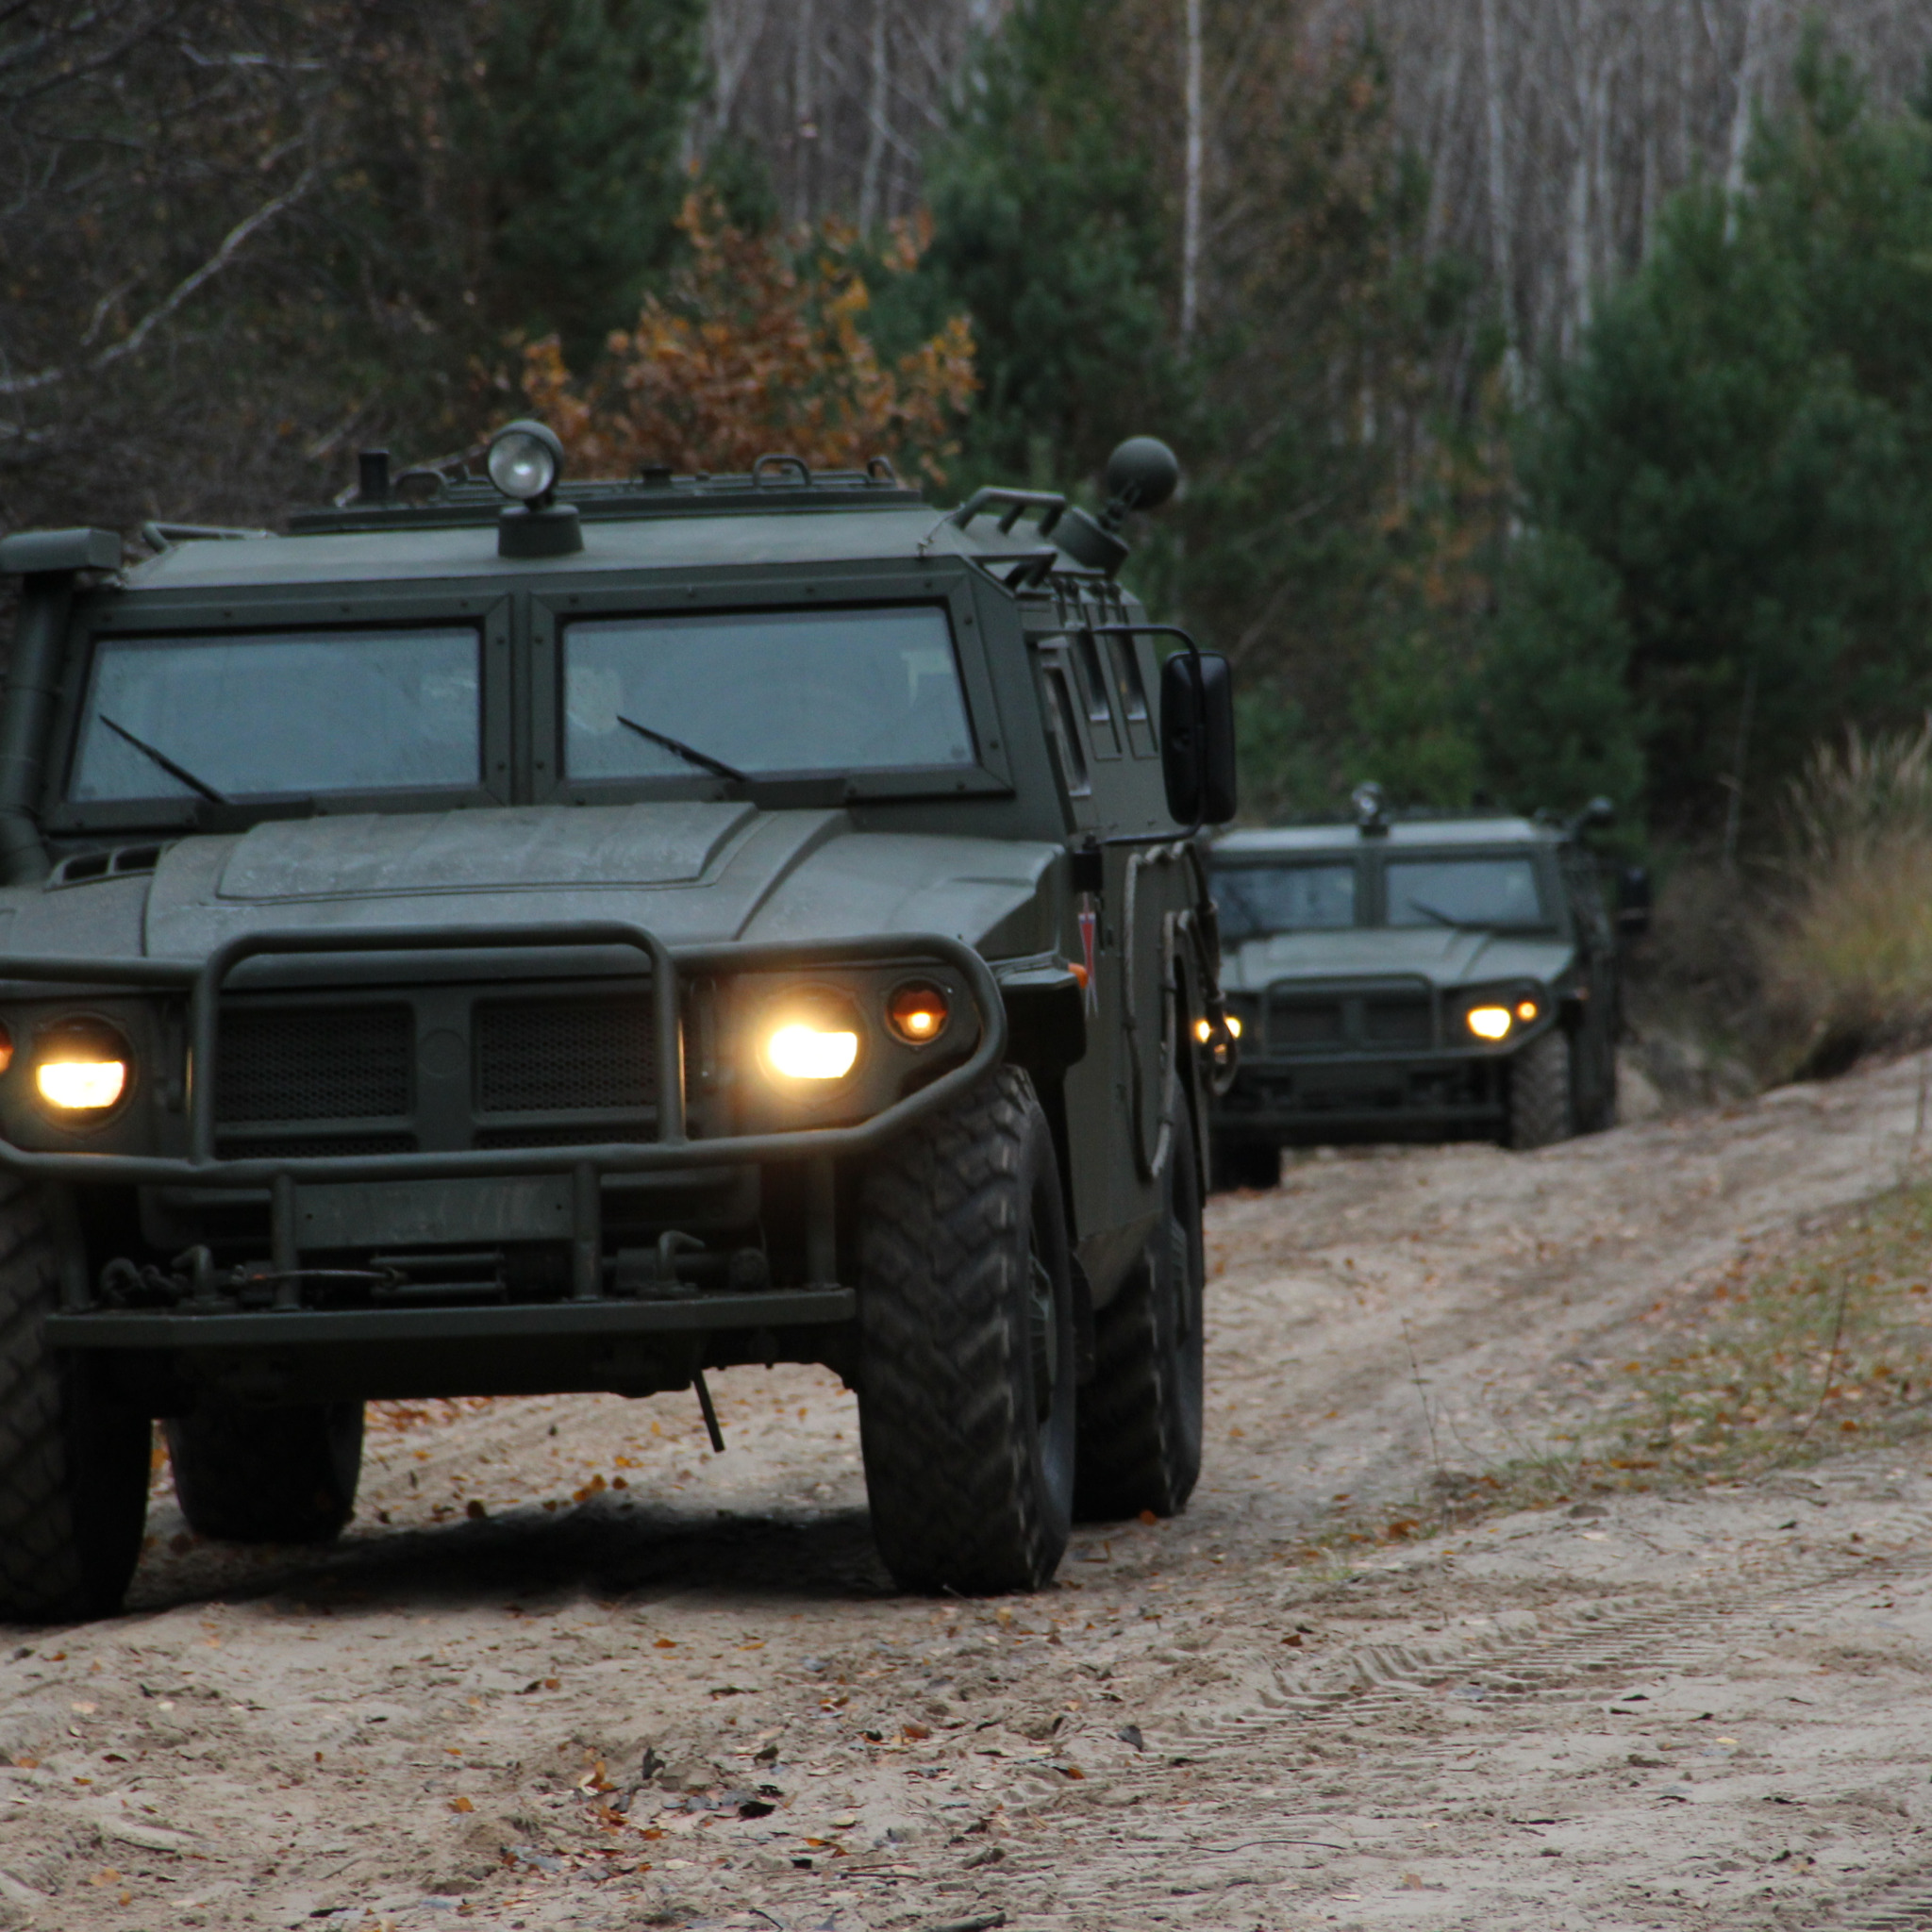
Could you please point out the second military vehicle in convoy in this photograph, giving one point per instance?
(1416, 978)
(506, 935)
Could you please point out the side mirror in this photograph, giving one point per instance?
(1633, 903)
(1197, 737)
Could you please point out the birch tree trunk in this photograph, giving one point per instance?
(1190, 203)
(1500, 256)
(877, 112)
(805, 130)
(1741, 113)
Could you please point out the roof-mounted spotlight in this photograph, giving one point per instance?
(525, 460)
(1371, 807)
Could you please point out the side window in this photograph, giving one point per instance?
(1064, 727)
(1127, 664)
(1097, 702)
(1063, 723)
(1586, 893)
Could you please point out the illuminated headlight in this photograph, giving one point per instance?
(525, 459)
(81, 1067)
(1488, 1023)
(1204, 1029)
(810, 1040)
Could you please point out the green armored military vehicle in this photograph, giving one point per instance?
(1421, 978)
(512, 935)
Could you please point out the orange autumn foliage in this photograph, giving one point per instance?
(749, 353)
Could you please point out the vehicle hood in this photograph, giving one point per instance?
(1442, 955)
(689, 872)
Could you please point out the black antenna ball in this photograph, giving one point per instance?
(1141, 473)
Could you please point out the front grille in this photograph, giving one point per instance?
(1305, 1023)
(297, 1146)
(540, 1055)
(562, 1137)
(1397, 1022)
(314, 1063)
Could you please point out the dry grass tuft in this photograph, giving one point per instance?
(1847, 961)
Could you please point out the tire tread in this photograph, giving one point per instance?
(953, 1500)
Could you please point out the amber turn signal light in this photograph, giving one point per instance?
(918, 1013)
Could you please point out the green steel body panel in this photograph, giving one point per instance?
(684, 895)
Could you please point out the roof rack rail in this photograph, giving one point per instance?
(160, 536)
(656, 490)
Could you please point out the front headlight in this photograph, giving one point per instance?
(1488, 1023)
(1204, 1029)
(811, 1041)
(81, 1067)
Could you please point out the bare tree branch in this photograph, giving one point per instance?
(131, 344)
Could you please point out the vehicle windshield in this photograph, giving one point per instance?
(1254, 899)
(1464, 892)
(764, 692)
(280, 713)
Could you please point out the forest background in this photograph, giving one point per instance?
(1553, 378)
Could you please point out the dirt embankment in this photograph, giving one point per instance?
(568, 1668)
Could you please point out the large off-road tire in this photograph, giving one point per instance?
(267, 1475)
(1542, 1093)
(967, 1366)
(1241, 1163)
(73, 1463)
(1139, 1438)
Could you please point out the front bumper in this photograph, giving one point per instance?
(552, 1192)
(1436, 1096)
(1382, 1056)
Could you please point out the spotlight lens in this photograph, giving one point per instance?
(1234, 1024)
(917, 1014)
(522, 463)
(804, 1052)
(1488, 1023)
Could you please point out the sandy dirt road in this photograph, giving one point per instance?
(569, 1669)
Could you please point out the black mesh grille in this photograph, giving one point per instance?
(562, 1137)
(297, 1146)
(535, 1055)
(314, 1063)
(1397, 1022)
(1305, 1023)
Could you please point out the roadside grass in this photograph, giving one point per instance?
(1807, 1345)
(1845, 953)
(1847, 966)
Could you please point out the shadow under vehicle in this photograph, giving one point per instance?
(515, 935)
(1419, 978)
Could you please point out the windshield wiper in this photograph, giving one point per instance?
(1442, 918)
(181, 773)
(691, 754)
